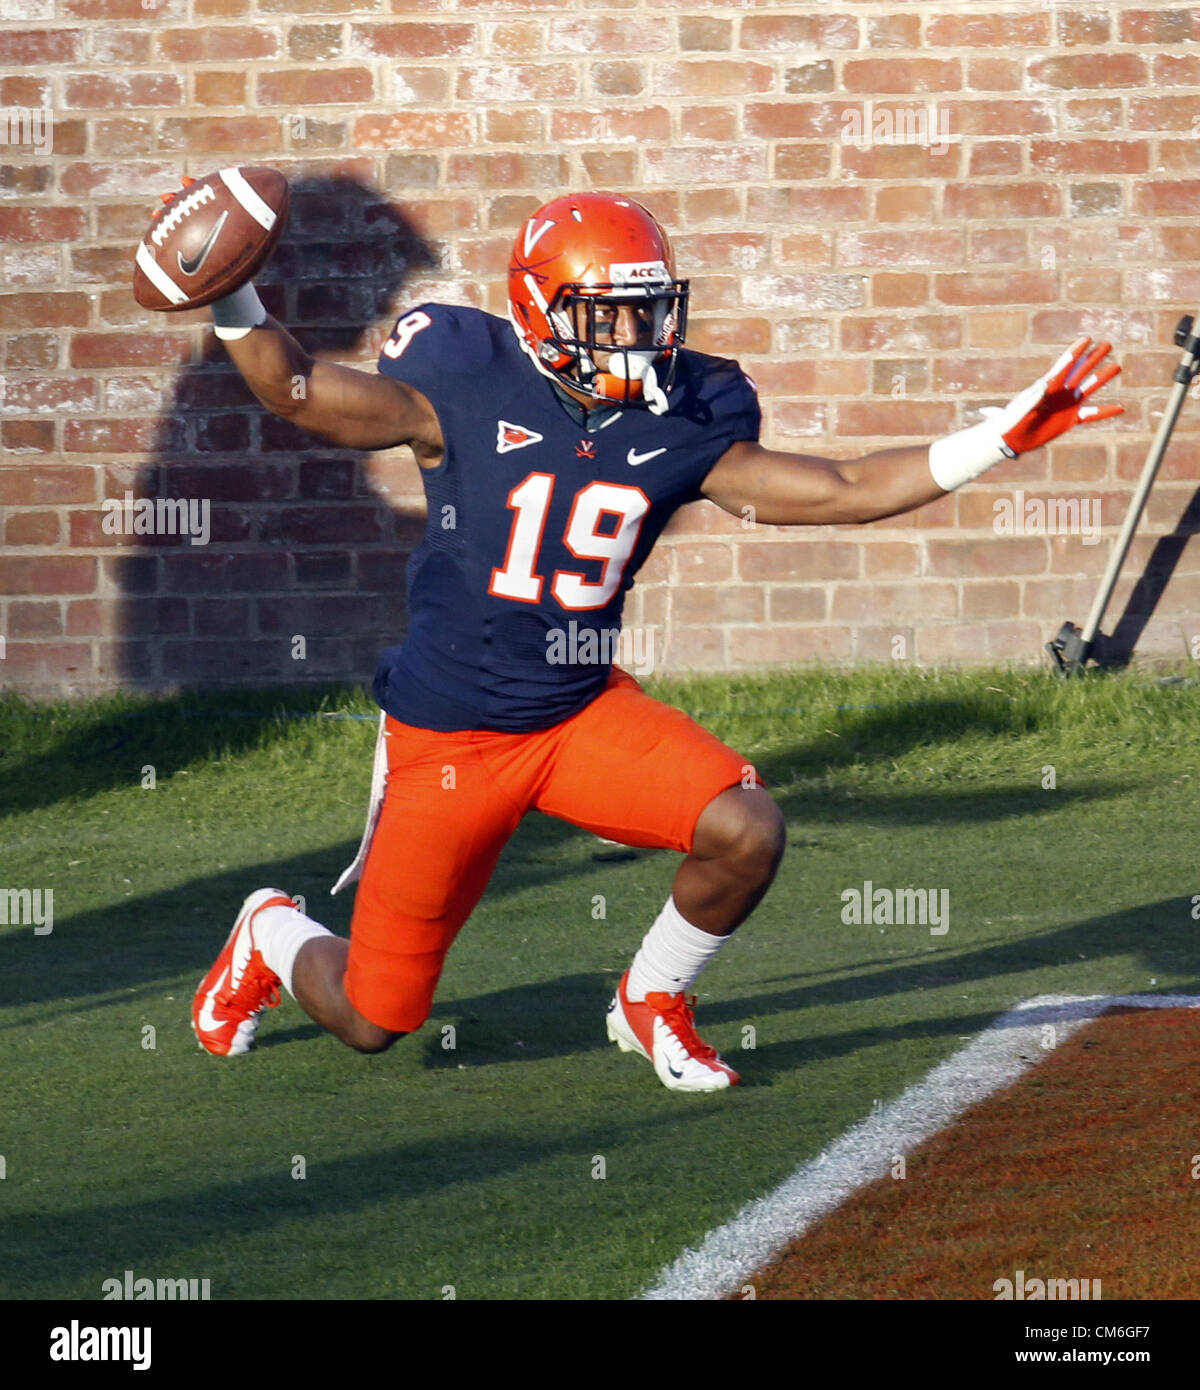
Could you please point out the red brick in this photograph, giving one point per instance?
(516, 82)
(27, 619)
(413, 130)
(46, 225)
(1075, 70)
(904, 203)
(1078, 27)
(806, 205)
(865, 603)
(219, 89)
(1152, 27)
(32, 352)
(712, 78)
(105, 179)
(39, 47)
(1009, 116)
(32, 528)
(906, 334)
(129, 349)
(726, 603)
(43, 311)
(218, 43)
(995, 157)
(100, 91)
(997, 287)
(408, 41)
(903, 161)
(319, 86)
(1005, 555)
(47, 574)
(988, 31)
(728, 337)
(902, 74)
(42, 395)
(682, 166)
(126, 617)
(23, 437)
(594, 34)
(1177, 198)
(506, 170)
(819, 560)
(220, 134)
(1176, 70)
(996, 202)
(1090, 156)
(799, 120)
(525, 127)
(895, 419)
(896, 248)
(710, 123)
(46, 662)
(899, 290)
(796, 161)
(770, 646)
(788, 33)
(798, 603)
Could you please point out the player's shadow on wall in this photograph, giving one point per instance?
(301, 576)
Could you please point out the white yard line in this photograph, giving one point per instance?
(998, 1057)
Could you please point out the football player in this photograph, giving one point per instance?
(554, 447)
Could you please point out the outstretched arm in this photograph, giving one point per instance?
(798, 489)
(356, 409)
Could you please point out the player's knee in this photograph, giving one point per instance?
(369, 1037)
(744, 827)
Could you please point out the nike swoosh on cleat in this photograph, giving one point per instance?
(676, 1074)
(192, 265)
(633, 458)
(208, 1020)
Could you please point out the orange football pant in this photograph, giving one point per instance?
(626, 767)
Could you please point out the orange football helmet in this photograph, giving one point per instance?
(574, 264)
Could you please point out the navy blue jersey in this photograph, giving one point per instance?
(537, 526)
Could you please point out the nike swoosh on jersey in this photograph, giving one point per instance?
(633, 458)
(192, 265)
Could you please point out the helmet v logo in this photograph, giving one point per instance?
(532, 237)
(510, 437)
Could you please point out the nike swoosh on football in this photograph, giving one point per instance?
(192, 265)
(633, 458)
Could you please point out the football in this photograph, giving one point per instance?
(210, 237)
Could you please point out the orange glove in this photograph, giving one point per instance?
(1043, 411)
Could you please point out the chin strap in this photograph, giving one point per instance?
(641, 368)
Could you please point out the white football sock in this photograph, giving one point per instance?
(673, 954)
(279, 932)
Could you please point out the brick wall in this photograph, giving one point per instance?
(878, 291)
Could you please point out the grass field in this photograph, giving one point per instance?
(1060, 818)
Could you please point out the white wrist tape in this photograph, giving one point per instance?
(239, 312)
(957, 458)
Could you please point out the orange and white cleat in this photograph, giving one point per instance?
(232, 996)
(661, 1029)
